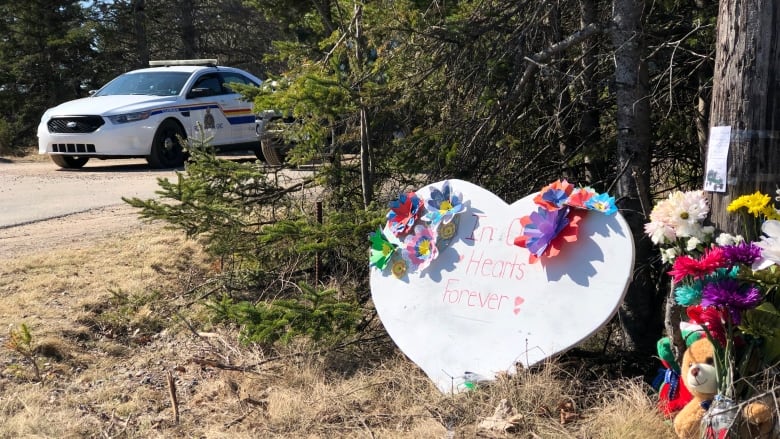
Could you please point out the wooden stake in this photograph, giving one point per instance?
(174, 399)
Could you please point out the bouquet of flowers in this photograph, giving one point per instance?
(727, 285)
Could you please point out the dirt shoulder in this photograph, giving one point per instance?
(43, 207)
(73, 231)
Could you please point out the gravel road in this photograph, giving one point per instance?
(39, 190)
(42, 205)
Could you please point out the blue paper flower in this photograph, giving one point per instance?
(602, 203)
(443, 205)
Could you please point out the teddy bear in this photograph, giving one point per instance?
(700, 378)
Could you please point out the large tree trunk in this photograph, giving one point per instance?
(589, 129)
(746, 97)
(139, 27)
(640, 312)
(188, 31)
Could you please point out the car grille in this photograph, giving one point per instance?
(74, 124)
(73, 147)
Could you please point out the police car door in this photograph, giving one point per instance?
(238, 111)
(205, 105)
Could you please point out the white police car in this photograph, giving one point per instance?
(143, 112)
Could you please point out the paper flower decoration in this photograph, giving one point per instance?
(553, 196)
(580, 196)
(420, 248)
(382, 250)
(448, 230)
(417, 229)
(602, 203)
(545, 231)
(443, 205)
(404, 212)
(562, 207)
(398, 268)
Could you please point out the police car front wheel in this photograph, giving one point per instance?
(69, 161)
(167, 151)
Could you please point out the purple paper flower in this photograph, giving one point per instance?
(543, 227)
(729, 294)
(742, 253)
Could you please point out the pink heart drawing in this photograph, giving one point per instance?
(518, 301)
(481, 307)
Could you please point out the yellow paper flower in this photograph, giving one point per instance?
(755, 203)
(398, 268)
(447, 230)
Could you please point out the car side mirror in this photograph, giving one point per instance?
(199, 93)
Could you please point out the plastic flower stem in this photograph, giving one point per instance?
(721, 361)
(727, 385)
(743, 367)
(746, 231)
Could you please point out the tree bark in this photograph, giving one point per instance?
(188, 31)
(139, 27)
(746, 96)
(640, 312)
(366, 165)
(589, 129)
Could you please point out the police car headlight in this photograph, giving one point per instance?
(129, 117)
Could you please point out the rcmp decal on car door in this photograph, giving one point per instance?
(208, 120)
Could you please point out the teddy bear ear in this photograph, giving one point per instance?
(691, 332)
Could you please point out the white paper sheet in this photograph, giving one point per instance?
(716, 169)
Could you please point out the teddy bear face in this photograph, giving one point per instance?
(699, 372)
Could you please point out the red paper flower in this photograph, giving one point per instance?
(554, 195)
(580, 196)
(404, 212)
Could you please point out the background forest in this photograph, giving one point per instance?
(509, 95)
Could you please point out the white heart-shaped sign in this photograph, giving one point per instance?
(481, 307)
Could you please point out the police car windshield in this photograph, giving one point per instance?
(145, 83)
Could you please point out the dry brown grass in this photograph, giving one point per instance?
(108, 321)
(23, 154)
